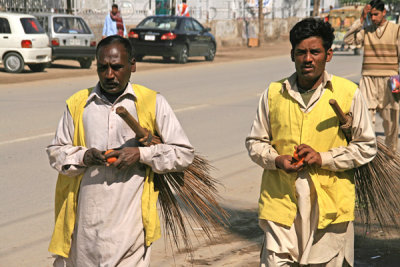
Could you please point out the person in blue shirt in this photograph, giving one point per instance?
(114, 25)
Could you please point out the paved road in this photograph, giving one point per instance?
(215, 103)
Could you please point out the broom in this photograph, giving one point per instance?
(192, 192)
(378, 182)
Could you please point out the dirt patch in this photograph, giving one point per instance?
(69, 69)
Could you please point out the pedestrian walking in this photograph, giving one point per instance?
(307, 199)
(113, 23)
(183, 9)
(100, 206)
(381, 41)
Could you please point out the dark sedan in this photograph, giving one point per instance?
(172, 36)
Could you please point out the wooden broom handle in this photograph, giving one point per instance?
(339, 112)
(132, 122)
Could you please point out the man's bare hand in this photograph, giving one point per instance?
(94, 157)
(126, 157)
(309, 154)
(285, 162)
(366, 10)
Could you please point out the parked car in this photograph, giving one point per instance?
(70, 37)
(23, 41)
(172, 36)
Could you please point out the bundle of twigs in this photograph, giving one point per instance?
(192, 193)
(378, 182)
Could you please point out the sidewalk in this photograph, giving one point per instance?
(71, 68)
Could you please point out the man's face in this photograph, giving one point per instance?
(378, 17)
(114, 68)
(114, 10)
(310, 59)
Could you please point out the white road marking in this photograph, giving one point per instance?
(350, 75)
(29, 138)
(191, 108)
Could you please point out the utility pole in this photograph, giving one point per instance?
(260, 22)
(173, 5)
(316, 8)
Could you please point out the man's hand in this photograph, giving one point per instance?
(366, 10)
(309, 154)
(94, 157)
(126, 157)
(285, 163)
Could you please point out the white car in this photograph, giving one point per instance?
(23, 41)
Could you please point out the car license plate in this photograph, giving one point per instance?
(149, 37)
(75, 42)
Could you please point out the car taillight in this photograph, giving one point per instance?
(55, 42)
(133, 34)
(26, 44)
(168, 36)
(93, 43)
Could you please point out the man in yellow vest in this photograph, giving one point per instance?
(306, 204)
(106, 213)
(381, 40)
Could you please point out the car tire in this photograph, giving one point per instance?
(85, 63)
(211, 53)
(37, 67)
(356, 51)
(183, 55)
(13, 63)
(139, 58)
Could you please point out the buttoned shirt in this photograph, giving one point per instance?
(109, 227)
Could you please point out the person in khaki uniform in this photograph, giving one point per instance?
(381, 42)
(307, 209)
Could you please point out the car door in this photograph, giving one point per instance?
(6, 39)
(203, 39)
(191, 36)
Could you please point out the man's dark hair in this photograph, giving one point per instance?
(377, 4)
(116, 39)
(311, 27)
(114, 5)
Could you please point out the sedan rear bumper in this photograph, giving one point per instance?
(73, 52)
(169, 49)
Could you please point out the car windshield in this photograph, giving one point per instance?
(70, 25)
(158, 23)
(31, 26)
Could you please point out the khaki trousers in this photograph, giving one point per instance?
(377, 92)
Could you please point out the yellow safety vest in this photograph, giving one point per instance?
(320, 129)
(67, 187)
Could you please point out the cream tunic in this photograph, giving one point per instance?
(303, 241)
(109, 229)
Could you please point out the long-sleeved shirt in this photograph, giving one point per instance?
(303, 241)
(109, 227)
(110, 27)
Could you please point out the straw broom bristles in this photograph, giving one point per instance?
(192, 193)
(377, 183)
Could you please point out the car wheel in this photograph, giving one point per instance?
(183, 55)
(85, 63)
(139, 58)
(167, 59)
(13, 62)
(356, 51)
(37, 67)
(211, 53)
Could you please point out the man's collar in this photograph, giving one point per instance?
(291, 82)
(96, 92)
